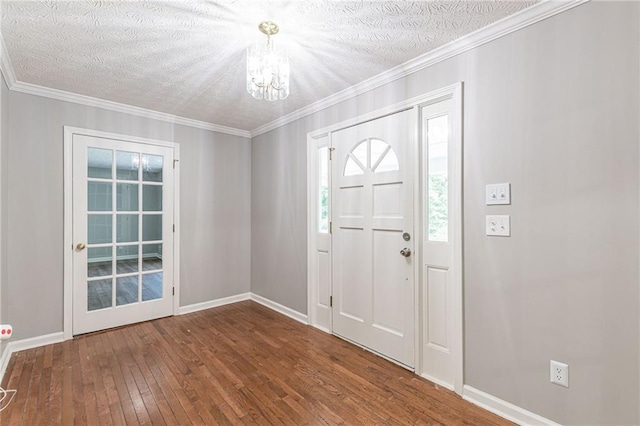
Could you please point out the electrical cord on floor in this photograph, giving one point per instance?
(4, 394)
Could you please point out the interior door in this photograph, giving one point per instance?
(122, 232)
(372, 199)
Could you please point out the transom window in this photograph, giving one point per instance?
(371, 154)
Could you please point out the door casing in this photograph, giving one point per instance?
(322, 137)
(69, 132)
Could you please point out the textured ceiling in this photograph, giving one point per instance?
(187, 58)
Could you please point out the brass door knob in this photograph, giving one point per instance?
(80, 246)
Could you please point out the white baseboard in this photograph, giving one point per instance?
(213, 303)
(24, 344)
(245, 296)
(300, 317)
(503, 408)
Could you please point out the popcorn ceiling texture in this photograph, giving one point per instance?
(187, 58)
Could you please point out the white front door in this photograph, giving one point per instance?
(122, 232)
(372, 199)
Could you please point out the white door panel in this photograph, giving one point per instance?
(372, 192)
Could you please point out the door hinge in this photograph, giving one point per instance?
(174, 163)
(331, 227)
(331, 301)
(331, 153)
(174, 227)
(173, 291)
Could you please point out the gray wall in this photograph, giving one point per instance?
(4, 114)
(215, 207)
(553, 109)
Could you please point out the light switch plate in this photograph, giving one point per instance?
(498, 193)
(499, 225)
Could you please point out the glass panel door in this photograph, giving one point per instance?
(123, 193)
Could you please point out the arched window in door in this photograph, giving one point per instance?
(373, 155)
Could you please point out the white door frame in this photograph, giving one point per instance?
(69, 132)
(453, 92)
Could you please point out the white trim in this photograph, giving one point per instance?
(213, 303)
(298, 316)
(417, 246)
(5, 65)
(503, 408)
(176, 232)
(33, 89)
(431, 97)
(127, 257)
(505, 26)
(69, 131)
(67, 270)
(24, 344)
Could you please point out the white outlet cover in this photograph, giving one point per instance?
(498, 193)
(498, 225)
(559, 373)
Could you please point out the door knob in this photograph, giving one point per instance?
(80, 246)
(406, 252)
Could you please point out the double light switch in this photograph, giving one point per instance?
(496, 194)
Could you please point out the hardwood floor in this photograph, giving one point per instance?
(236, 364)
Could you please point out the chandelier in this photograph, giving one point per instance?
(267, 69)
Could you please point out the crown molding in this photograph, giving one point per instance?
(507, 25)
(5, 65)
(61, 95)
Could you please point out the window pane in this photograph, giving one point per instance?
(99, 163)
(360, 152)
(127, 165)
(152, 168)
(438, 179)
(127, 197)
(378, 148)
(352, 168)
(151, 227)
(127, 228)
(152, 286)
(99, 196)
(127, 259)
(323, 190)
(152, 198)
(126, 290)
(389, 163)
(99, 294)
(99, 261)
(151, 257)
(99, 228)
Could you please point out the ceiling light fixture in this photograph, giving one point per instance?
(267, 69)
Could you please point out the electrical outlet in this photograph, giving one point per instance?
(559, 373)
(5, 331)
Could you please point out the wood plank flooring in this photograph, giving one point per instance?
(236, 364)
